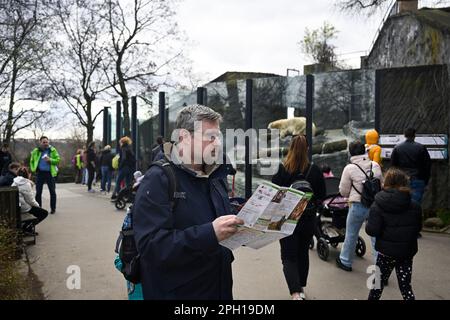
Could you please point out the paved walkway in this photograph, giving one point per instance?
(85, 227)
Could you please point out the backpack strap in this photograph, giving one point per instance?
(167, 167)
(371, 176)
(309, 171)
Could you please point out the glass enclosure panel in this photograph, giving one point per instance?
(272, 98)
(174, 103)
(344, 109)
(228, 99)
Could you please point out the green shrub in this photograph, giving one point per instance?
(12, 282)
(444, 214)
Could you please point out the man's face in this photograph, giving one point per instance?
(44, 143)
(209, 138)
(201, 146)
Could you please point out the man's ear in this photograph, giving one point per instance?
(184, 135)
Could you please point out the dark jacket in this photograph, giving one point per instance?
(413, 158)
(7, 179)
(106, 159)
(395, 221)
(91, 157)
(5, 160)
(315, 178)
(180, 255)
(127, 158)
(157, 153)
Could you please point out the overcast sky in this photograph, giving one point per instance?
(263, 35)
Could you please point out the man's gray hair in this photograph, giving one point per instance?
(196, 112)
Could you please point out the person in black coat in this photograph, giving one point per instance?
(295, 248)
(395, 220)
(91, 165)
(413, 158)
(8, 178)
(5, 159)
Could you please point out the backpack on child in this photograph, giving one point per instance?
(126, 245)
(371, 186)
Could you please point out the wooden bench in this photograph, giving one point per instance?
(14, 219)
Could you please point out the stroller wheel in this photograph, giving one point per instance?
(311, 244)
(322, 249)
(120, 204)
(334, 244)
(360, 247)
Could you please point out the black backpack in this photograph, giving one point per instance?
(303, 185)
(371, 186)
(301, 182)
(126, 245)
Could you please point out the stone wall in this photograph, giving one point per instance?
(408, 41)
(419, 97)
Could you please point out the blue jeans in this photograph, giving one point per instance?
(41, 178)
(417, 190)
(124, 174)
(357, 214)
(106, 178)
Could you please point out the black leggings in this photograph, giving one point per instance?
(91, 173)
(39, 213)
(403, 269)
(295, 254)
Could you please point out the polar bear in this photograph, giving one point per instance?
(293, 126)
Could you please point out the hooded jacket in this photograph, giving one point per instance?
(372, 147)
(180, 257)
(395, 221)
(36, 157)
(353, 175)
(26, 194)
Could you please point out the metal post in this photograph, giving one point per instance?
(137, 146)
(106, 127)
(109, 128)
(118, 123)
(248, 125)
(309, 111)
(378, 101)
(134, 136)
(201, 95)
(162, 113)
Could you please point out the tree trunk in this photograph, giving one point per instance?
(124, 96)
(9, 123)
(89, 123)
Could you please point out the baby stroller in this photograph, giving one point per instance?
(128, 193)
(331, 221)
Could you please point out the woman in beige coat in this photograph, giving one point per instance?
(351, 186)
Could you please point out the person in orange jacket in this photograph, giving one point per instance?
(372, 147)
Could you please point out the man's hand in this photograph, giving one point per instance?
(47, 159)
(226, 226)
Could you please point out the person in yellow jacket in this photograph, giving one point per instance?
(43, 162)
(372, 147)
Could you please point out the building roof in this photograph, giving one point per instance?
(438, 18)
(235, 75)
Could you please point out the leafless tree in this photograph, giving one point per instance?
(143, 41)
(21, 37)
(368, 6)
(75, 71)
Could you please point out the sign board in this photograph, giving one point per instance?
(435, 153)
(425, 139)
(437, 144)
